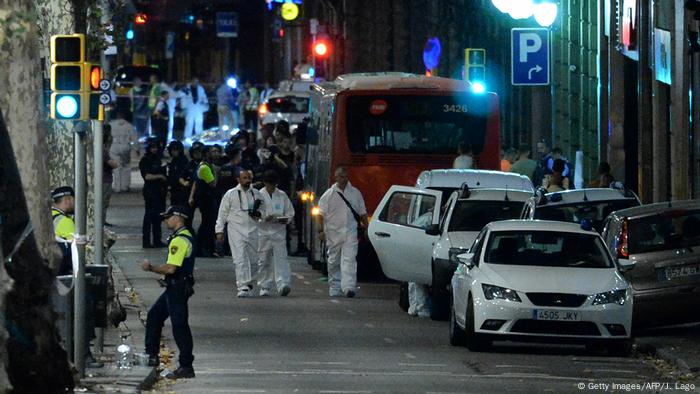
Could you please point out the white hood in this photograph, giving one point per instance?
(553, 279)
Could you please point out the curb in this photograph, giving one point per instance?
(665, 354)
(150, 380)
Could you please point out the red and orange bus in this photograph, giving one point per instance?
(386, 128)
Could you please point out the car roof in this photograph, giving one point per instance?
(474, 179)
(656, 208)
(544, 225)
(590, 194)
(294, 93)
(496, 194)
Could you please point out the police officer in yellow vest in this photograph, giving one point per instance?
(178, 271)
(63, 224)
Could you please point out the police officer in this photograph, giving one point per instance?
(154, 192)
(178, 271)
(204, 195)
(63, 224)
(178, 179)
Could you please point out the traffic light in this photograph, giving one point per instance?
(68, 77)
(75, 84)
(321, 49)
(140, 19)
(475, 68)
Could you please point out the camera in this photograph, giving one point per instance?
(255, 212)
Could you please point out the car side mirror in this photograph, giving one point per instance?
(625, 264)
(433, 229)
(466, 259)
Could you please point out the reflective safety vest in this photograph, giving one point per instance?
(63, 225)
(181, 254)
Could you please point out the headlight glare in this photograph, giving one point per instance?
(492, 292)
(611, 297)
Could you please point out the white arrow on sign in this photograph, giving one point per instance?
(105, 84)
(105, 98)
(537, 68)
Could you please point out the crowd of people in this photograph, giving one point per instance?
(153, 106)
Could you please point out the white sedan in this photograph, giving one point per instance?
(540, 280)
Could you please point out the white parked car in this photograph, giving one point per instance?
(406, 232)
(292, 107)
(539, 280)
(573, 206)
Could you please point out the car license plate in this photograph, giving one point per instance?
(681, 271)
(558, 315)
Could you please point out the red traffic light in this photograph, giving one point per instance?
(140, 18)
(95, 77)
(321, 48)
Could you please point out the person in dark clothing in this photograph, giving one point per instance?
(284, 161)
(249, 156)
(178, 272)
(159, 118)
(154, 193)
(203, 195)
(178, 178)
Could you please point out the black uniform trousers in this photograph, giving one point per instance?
(171, 304)
(152, 220)
(205, 232)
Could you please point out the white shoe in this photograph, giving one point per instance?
(264, 293)
(335, 293)
(245, 293)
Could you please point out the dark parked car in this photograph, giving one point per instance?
(658, 248)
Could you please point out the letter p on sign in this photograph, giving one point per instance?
(529, 43)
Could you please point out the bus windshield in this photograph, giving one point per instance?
(416, 124)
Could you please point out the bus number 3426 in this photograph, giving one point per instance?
(454, 108)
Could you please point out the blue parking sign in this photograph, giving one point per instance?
(226, 24)
(530, 56)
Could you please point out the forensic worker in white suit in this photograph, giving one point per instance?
(240, 209)
(277, 212)
(341, 211)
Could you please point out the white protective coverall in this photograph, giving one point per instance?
(273, 266)
(242, 233)
(194, 110)
(123, 140)
(340, 228)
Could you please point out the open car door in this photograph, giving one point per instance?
(397, 232)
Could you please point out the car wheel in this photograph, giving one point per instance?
(403, 296)
(457, 334)
(620, 347)
(475, 342)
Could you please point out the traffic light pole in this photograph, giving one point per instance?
(79, 323)
(98, 142)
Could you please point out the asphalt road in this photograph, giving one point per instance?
(310, 343)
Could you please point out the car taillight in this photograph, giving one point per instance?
(262, 110)
(622, 251)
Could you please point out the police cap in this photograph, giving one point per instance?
(176, 210)
(62, 192)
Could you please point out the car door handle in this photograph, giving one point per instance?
(382, 235)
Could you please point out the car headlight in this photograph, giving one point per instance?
(454, 252)
(492, 292)
(611, 297)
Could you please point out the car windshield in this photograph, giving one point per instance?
(547, 249)
(473, 215)
(412, 124)
(288, 104)
(593, 211)
(668, 230)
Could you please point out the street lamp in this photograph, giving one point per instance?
(545, 14)
(520, 9)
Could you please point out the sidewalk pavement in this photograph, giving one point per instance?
(678, 346)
